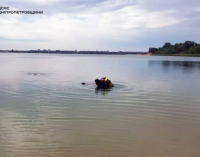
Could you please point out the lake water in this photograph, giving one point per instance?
(153, 110)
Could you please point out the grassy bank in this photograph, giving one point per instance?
(178, 54)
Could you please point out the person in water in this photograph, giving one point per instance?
(103, 83)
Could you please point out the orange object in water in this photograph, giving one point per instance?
(109, 82)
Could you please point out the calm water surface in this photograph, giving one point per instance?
(153, 110)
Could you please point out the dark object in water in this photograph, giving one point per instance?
(104, 83)
(83, 83)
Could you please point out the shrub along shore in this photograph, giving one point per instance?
(187, 49)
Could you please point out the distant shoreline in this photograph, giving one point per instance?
(79, 52)
(110, 53)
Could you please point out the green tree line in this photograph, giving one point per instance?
(188, 47)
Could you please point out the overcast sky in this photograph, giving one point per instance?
(115, 25)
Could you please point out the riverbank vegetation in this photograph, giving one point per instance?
(188, 48)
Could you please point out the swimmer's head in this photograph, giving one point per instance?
(97, 81)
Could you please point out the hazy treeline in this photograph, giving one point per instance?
(75, 52)
(188, 47)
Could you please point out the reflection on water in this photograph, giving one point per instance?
(103, 91)
(37, 73)
(186, 67)
(153, 110)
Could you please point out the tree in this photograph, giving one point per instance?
(195, 49)
(187, 47)
(153, 50)
(188, 44)
(166, 45)
(179, 47)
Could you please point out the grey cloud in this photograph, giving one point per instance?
(67, 6)
(24, 40)
(175, 34)
(157, 5)
(183, 8)
(185, 11)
